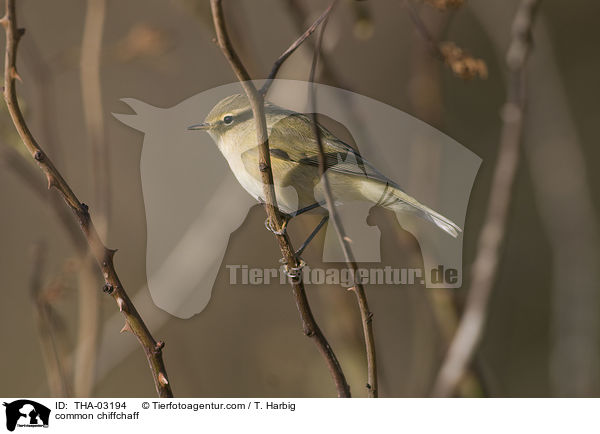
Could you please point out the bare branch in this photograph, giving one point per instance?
(363, 305)
(103, 255)
(287, 53)
(16, 162)
(48, 329)
(310, 326)
(88, 301)
(458, 60)
(91, 91)
(485, 266)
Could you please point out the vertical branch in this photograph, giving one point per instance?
(91, 51)
(89, 306)
(426, 81)
(103, 255)
(310, 326)
(559, 172)
(88, 302)
(485, 266)
(363, 305)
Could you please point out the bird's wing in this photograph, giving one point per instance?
(292, 142)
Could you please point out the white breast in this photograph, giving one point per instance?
(287, 198)
(249, 182)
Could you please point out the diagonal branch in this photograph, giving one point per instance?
(485, 267)
(423, 31)
(103, 255)
(363, 305)
(287, 53)
(459, 61)
(310, 326)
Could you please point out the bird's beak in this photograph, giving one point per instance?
(202, 126)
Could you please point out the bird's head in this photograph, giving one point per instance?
(224, 117)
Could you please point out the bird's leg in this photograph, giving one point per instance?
(312, 235)
(294, 272)
(305, 209)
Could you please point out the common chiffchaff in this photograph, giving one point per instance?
(295, 162)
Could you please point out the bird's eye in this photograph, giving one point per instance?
(228, 119)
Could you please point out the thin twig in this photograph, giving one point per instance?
(48, 331)
(287, 53)
(458, 60)
(423, 31)
(426, 77)
(310, 326)
(484, 270)
(103, 255)
(328, 73)
(363, 305)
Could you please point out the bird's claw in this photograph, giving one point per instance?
(294, 272)
(270, 228)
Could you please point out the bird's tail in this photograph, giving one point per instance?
(395, 199)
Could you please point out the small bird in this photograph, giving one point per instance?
(294, 156)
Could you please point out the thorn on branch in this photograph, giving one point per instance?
(51, 181)
(162, 379)
(14, 74)
(126, 328)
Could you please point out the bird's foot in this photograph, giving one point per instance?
(270, 227)
(293, 272)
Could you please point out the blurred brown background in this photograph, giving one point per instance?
(541, 337)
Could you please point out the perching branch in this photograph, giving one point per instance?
(483, 273)
(310, 326)
(103, 255)
(363, 305)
